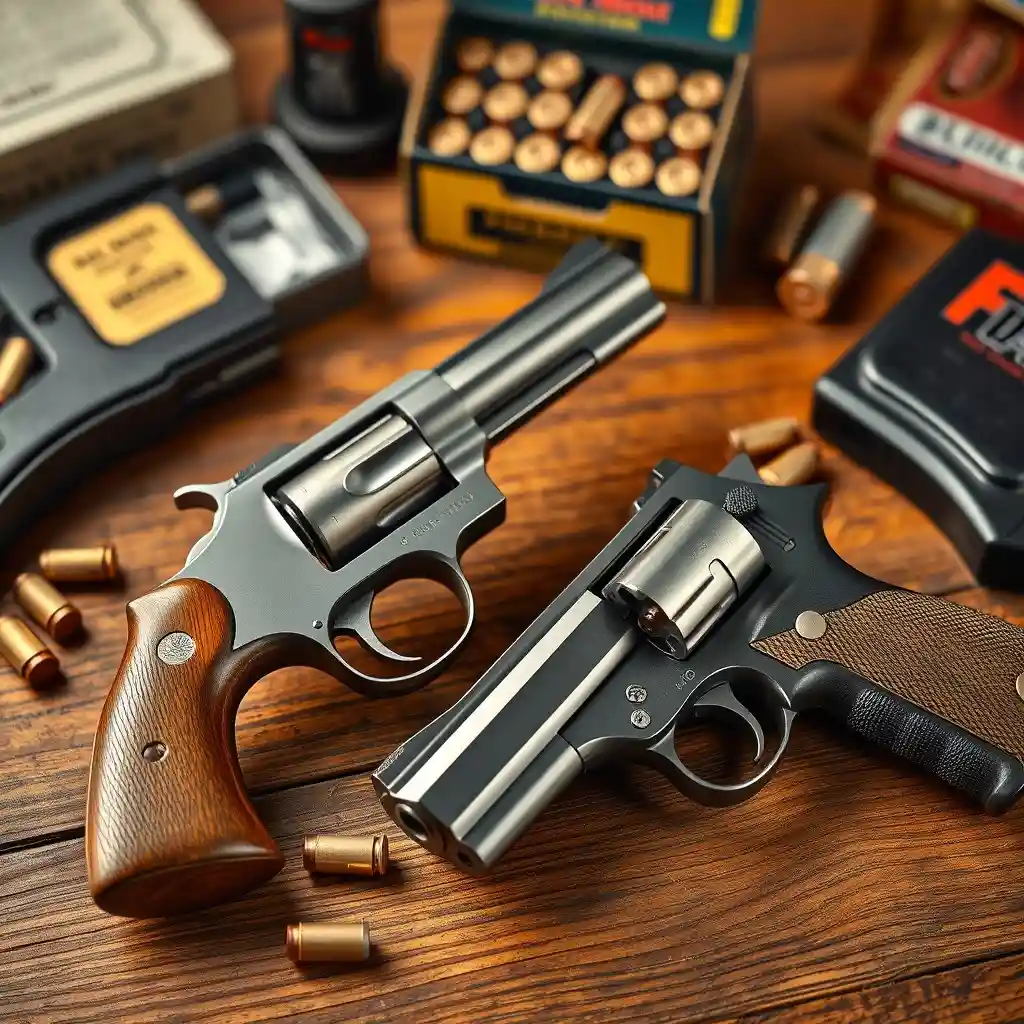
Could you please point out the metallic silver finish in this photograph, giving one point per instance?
(685, 578)
(515, 766)
(346, 500)
(518, 350)
(176, 648)
(496, 701)
(1019, 686)
(811, 625)
(636, 694)
(640, 718)
(502, 830)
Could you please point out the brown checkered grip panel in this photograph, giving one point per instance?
(955, 662)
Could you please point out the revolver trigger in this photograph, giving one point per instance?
(355, 620)
(723, 702)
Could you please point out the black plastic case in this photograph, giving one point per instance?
(89, 399)
(932, 400)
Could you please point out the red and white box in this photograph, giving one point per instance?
(955, 145)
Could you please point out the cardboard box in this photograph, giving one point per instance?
(527, 218)
(85, 86)
(955, 146)
(901, 29)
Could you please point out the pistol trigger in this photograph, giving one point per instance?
(722, 701)
(355, 620)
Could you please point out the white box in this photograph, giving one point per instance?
(87, 84)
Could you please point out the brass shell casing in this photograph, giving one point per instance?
(474, 54)
(793, 467)
(47, 605)
(461, 95)
(345, 855)
(679, 176)
(549, 111)
(790, 227)
(506, 102)
(328, 943)
(515, 61)
(764, 437)
(80, 565)
(492, 146)
(560, 70)
(702, 90)
(828, 258)
(691, 131)
(582, 165)
(206, 202)
(17, 354)
(449, 137)
(537, 153)
(645, 123)
(632, 168)
(655, 83)
(598, 108)
(26, 653)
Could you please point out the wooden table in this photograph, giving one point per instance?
(851, 889)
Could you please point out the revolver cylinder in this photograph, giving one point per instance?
(347, 500)
(683, 580)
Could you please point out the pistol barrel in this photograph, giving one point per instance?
(595, 304)
(471, 782)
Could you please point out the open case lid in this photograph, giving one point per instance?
(723, 26)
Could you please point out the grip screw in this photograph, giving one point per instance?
(811, 626)
(1020, 686)
(636, 694)
(640, 718)
(176, 648)
(153, 752)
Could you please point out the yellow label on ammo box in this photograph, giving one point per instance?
(136, 274)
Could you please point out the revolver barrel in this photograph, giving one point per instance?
(594, 305)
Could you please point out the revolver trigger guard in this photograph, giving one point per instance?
(441, 569)
(355, 621)
(722, 702)
(662, 756)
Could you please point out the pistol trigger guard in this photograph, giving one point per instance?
(355, 620)
(722, 702)
(437, 567)
(662, 756)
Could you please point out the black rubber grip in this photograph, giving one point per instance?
(988, 775)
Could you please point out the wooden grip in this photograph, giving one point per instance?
(955, 662)
(169, 827)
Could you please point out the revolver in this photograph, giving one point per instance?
(720, 598)
(301, 542)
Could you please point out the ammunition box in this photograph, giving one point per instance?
(510, 212)
(954, 147)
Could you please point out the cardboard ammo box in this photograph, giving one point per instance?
(954, 147)
(523, 207)
(86, 85)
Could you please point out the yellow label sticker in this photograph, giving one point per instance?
(136, 274)
(725, 18)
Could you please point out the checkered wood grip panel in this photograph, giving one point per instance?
(958, 663)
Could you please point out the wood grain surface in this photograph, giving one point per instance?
(852, 888)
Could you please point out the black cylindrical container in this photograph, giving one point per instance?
(341, 102)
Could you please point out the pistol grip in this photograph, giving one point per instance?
(169, 827)
(930, 680)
